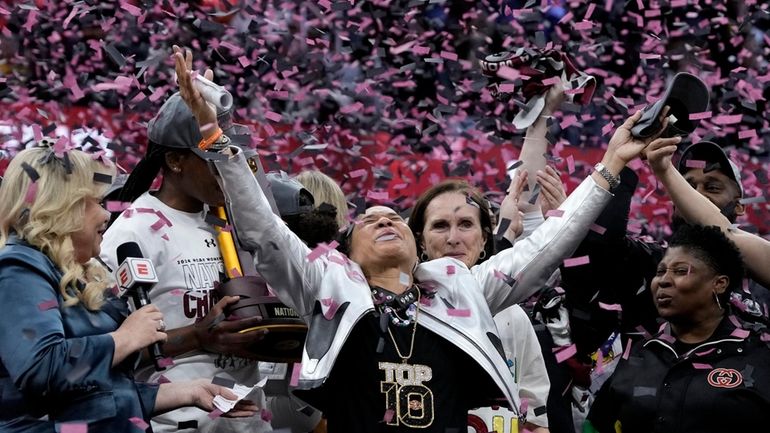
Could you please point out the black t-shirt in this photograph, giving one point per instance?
(432, 392)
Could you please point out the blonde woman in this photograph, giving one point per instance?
(326, 190)
(67, 345)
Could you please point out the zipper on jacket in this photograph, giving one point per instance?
(480, 350)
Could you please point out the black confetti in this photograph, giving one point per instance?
(103, 178)
(193, 424)
(31, 172)
(223, 381)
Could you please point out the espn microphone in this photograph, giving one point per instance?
(136, 275)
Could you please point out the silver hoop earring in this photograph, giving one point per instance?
(716, 298)
(483, 255)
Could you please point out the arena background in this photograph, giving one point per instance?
(386, 96)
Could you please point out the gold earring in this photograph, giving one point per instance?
(716, 298)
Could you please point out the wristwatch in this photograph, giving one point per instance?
(613, 180)
(222, 142)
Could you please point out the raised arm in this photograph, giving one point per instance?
(279, 255)
(696, 208)
(532, 260)
(535, 146)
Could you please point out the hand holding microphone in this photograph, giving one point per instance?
(143, 327)
(136, 275)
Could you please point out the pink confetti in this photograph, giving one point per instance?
(131, 9)
(352, 108)
(699, 366)
(388, 417)
(357, 173)
(331, 310)
(610, 307)
(751, 133)
(694, 163)
(450, 269)
(501, 275)
(165, 362)
(740, 333)
(73, 428)
(117, 206)
(566, 18)
(583, 25)
(551, 81)
(48, 305)
(728, 119)
(589, 11)
(607, 128)
(266, 415)
(576, 261)
(449, 55)
(157, 225)
(458, 312)
(554, 213)
(568, 121)
(214, 414)
(570, 164)
(235, 273)
(163, 379)
(321, 250)
(508, 73)
(377, 195)
(597, 228)
(627, 350)
(565, 352)
(138, 422)
(29, 197)
(296, 368)
(245, 62)
(700, 116)
(275, 117)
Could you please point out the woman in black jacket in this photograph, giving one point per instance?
(704, 371)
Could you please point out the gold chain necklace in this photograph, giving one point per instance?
(404, 359)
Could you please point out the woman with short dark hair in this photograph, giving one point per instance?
(704, 371)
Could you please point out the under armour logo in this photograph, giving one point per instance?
(210, 243)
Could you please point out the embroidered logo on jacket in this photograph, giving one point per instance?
(725, 378)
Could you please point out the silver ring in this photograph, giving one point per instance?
(161, 325)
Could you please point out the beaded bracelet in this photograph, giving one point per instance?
(207, 142)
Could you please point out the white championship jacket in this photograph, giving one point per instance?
(331, 281)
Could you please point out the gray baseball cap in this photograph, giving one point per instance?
(714, 158)
(175, 127)
(290, 196)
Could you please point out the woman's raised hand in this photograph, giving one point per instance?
(204, 112)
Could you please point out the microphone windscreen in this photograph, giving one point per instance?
(128, 249)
